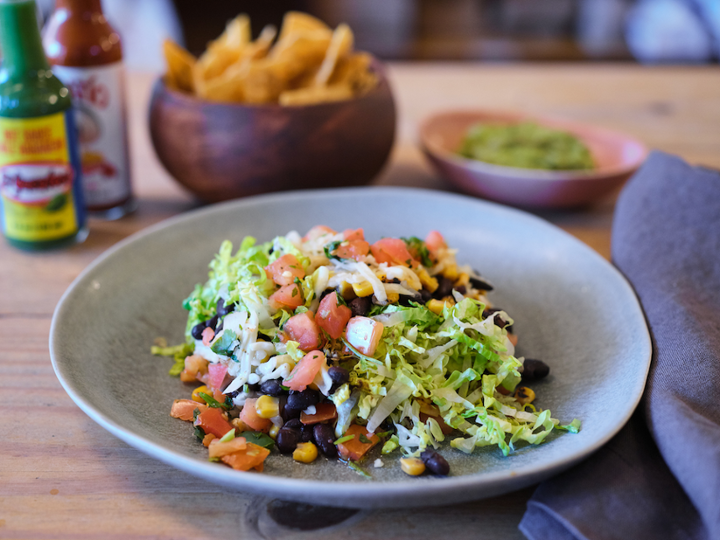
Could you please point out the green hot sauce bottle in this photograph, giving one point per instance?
(41, 200)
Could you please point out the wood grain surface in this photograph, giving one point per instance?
(64, 477)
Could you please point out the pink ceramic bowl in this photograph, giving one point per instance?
(616, 156)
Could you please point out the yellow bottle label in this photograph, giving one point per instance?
(36, 179)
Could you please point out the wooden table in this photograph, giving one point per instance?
(63, 477)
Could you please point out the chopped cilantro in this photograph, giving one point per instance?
(329, 248)
(261, 439)
(222, 345)
(419, 249)
(346, 438)
(215, 404)
(363, 439)
(355, 467)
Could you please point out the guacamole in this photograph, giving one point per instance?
(526, 145)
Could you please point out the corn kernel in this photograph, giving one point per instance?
(412, 466)
(429, 282)
(463, 279)
(364, 288)
(305, 452)
(436, 306)
(524, 395)
(451, 271)
(196, 393)
(346, 290)
(274, 431)
(393, 297)
(267, 407)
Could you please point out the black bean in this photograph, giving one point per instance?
(197, 330)
(405, 300)
(444, 289)
(271, 387)
(287, 412)
(481, 284)
(306, 433)
(212, 323)
(499, 321)
(434, 462)
(426, 296)
(293, 423)
(534, 369)
(360, 306)
(302, 400)
(287, 439)
(461, 289)
(339, 375)
(223, 309)
(324, 436)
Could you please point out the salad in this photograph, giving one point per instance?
(328, 345)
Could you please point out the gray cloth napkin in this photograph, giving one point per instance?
(659, 478)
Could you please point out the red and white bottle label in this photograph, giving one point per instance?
(99, 104)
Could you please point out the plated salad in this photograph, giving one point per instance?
(329, 345)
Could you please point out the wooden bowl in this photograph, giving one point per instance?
(222, 151)
(616, 156)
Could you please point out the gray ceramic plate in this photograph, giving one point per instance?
(571, 308)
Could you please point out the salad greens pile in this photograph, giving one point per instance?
(443, 368)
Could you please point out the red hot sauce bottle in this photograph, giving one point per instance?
(86, 55)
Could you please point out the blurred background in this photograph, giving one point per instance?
(648, 31)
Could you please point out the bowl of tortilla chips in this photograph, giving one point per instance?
(292, 109)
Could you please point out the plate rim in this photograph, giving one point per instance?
(351, 494)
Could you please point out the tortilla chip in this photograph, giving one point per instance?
(340, 47)
(180, 66)
(315, 94)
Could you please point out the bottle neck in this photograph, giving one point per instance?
(77, 7)
(20, 38)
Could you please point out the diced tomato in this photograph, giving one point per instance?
(249, 415)
(213, 421)
(216, 375)
(353, 234)
(323, 413)
(220, 449)
(513, 339)
(305, 371)
(331, 316)
(303, 329)
(353, 249)
(392, 251)
(184, 409)
(195, 367)
(316, 232)
(251, 458)
(354, 449)
(285, 269)
(287, 296)
(364, 334)
(434, 241)
(207, 336)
